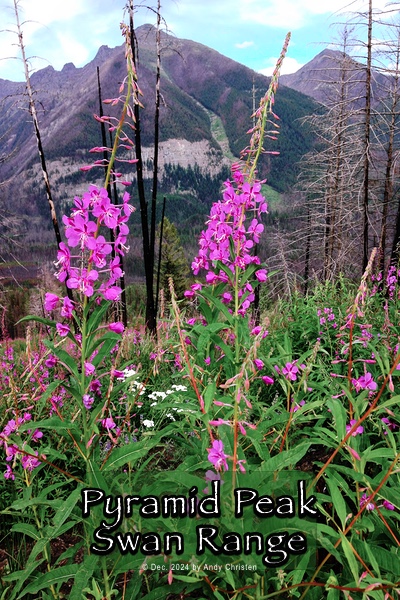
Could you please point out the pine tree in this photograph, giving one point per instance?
(173, 262)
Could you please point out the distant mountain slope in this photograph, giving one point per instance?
(319, 77)
(196, 82)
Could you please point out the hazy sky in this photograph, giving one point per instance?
(249, 31)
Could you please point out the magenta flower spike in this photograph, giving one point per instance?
(217, 456)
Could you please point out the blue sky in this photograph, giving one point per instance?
(248, 31)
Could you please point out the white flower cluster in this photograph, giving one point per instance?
(161, 395)
(128, 373)
(137, 387)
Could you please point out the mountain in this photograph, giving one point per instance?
(321, 76)
(207, 102)
(201, 89)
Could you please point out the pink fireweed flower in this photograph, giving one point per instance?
(117, 327)
(110, 293)
(10, 427)
(217, 456)
(89, 369)
(30, 462)
(357, 431)
(259, 363)
(391, 425)
(290, 371)
(242, 424)
(353, 452)
(51, 302)
(255, 230)
(95, 387)
(80, 271)
(115, 269)
(118, 374)
(365, 382)
(62, 329)
(228, 237)
(211, 476)
(108, 423)
(37, 435)
(11, 452)
(218, 422)
(83, 281)
(388, 505)
(87, 401)
(64, 261)
(100, 249)
(262, 275)
(78, 230)
(8, 474)
(67, 308)
(106, 212)
(364, 501)
(211, 278)
(297, 406)
(227, 297)
(267, 380)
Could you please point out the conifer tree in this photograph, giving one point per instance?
(173, 262)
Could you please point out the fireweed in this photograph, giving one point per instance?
(232, 270)
(89, 402)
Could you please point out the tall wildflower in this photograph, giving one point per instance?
(89, 262)
(232, 271)
(234, 226)
(86, 261)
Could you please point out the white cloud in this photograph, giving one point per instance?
(58, 33)
(295, 14)
(77, 52)
(290, 65)
(243, 45)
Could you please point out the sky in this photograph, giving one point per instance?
(249, 31)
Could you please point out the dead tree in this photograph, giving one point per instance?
(33, 112)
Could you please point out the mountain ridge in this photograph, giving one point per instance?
(207, 103)
(327, 69)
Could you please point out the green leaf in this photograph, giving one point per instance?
(162, 592)
(48, 322)
(286, 458)
(350, 557)
(65, 510)
(209, 395)
(96, 316)
(337, 500)
(21, 576)
(185, 578)
(339, 415)
(83, 575)
(53, 423)
(218, 305)
(96, 476)
(108, 342)
(64, 358)
(27, 529)
(224, 347)
(53, 577)
(133, 588)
